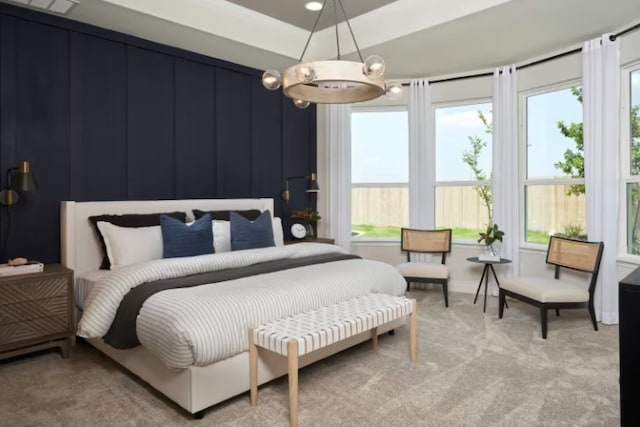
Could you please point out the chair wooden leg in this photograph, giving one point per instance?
(543, 321)
(408, 283)
(413, 336)
(557, 312)
(501, 301)
(592, 313)
(445, 290)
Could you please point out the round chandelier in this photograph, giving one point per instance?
(332, 81)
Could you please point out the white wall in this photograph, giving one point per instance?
(465, 275)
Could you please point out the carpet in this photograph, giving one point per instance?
(473, 370)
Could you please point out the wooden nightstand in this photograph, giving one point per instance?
(314, 240)
(36, 311)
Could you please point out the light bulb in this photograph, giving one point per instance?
(306, 73)
(374, 66)
(313, 5)
(393, 90)
(272, 79)
(301, 104)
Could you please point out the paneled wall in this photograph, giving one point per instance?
(105, 116)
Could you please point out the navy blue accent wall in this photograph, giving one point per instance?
(105, 116)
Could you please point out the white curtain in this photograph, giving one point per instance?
(339, 157)
(505, 163)
(421, 153)
(601, 112)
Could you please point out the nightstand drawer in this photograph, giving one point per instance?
(33, 329)
(28, 310)
(32, 289)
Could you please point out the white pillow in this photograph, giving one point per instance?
(127, 245)
(222, 234)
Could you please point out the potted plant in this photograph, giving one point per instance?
(492, 239)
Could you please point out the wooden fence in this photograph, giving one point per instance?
(548, 207)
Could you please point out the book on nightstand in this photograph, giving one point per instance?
(11, 270)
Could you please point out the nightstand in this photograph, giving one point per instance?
(314, 240)
(36, 311)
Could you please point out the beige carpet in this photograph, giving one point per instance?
(473, 370)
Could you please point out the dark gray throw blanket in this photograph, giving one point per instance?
(122, 333)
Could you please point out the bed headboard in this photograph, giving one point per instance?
(80, 247)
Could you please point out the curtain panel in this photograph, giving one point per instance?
(601, 111)
(339, 155)
(505, 180)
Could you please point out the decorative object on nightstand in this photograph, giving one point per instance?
(19, 180)
(20, 266)
(304, 219)
(36, 311)
(312, 185)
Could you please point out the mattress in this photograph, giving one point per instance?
(204, 324)
(85, 284)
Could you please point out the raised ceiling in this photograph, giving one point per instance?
(417, 38)
(294, 13)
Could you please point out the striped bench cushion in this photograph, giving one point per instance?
(328, 325)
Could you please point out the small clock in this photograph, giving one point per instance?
(298, 231)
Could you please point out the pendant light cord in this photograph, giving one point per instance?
(335, 12)
(350, 30)
(313, 30)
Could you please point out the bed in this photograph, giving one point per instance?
(204, 377)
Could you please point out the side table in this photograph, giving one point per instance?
(488, 265)
(36, 311)
(311, 239)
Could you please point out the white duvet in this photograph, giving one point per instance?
(203, 324)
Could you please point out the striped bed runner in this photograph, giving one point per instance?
(330, 324)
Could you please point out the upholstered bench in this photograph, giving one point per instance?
(309, 331)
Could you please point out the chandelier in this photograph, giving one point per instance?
(332, 81)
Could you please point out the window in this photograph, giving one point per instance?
(379, 173)
(632, 135)
(554, 179)
(463, 168)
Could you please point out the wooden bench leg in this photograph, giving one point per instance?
(374, 339)
(253, 369)
(413, 339)
(292, 357)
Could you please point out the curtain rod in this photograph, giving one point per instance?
(531, 64)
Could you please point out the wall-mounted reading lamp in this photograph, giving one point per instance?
(19, 180)
(312, 185)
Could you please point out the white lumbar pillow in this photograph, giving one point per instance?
(127, 245)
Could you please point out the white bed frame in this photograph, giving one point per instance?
(197, 387)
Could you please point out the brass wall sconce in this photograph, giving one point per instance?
(312, 185)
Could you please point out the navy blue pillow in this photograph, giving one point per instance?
(247, 234)
(180, 239)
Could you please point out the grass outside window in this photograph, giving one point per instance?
(366, 231)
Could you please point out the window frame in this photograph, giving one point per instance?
(523, 157)
(626, 177)
(378, 109)
(467, 183)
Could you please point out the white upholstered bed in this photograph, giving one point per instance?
(201, 384)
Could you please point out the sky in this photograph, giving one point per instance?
(375, 160)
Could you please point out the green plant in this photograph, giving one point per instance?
(492, 234)
(573, 230)
(472, 159)
(308, 214)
